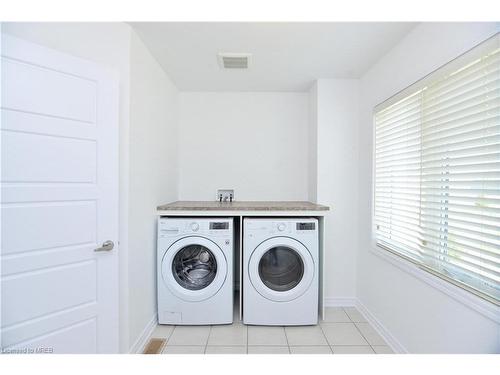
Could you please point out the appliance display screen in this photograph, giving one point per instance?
(219, 225)
(305, 226)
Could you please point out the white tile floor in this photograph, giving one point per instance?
(344, 331)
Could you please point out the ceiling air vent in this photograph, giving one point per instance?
(234, 60)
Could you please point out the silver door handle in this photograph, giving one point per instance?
(106, 246)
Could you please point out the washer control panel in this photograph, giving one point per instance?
(171, 227)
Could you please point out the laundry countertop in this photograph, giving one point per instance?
(242, 206)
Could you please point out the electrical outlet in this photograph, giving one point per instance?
(225, 195)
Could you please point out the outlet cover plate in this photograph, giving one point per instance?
(226, 194)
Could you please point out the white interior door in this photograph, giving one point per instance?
(59, 186)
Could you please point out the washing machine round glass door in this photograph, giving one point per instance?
(194, 268)
(281, 269)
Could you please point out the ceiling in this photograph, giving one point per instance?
(285, 56)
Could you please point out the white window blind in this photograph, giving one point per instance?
(437, 172)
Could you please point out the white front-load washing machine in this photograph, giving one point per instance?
(280, 271)
(195, 270)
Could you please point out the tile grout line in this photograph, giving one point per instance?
(345, 312)
(361, 333)
(287, 343)
(371, 346)
(326, 338)
(166, 340)
(171, 333)
(208, 338)
(352, 322)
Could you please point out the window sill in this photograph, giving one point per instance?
(482, 306)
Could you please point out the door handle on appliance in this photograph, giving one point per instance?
(106, 246)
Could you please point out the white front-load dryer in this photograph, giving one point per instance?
(280, 271)
(195, 270)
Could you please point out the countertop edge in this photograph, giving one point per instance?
(160, 208)
(279, 206)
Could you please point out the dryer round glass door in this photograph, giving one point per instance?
(281, 269)
(194, 268)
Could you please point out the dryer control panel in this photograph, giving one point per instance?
(282, 227)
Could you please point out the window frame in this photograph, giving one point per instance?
(471, 297)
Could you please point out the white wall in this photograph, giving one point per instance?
(420, 317)
(153, 175)
(253, 142)
(312, 167)
(335, 109)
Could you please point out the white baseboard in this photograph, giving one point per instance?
(142, 340)
(339, 301)
(395, 345)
